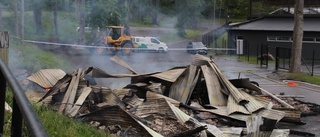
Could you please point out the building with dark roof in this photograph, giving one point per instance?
(275, 30)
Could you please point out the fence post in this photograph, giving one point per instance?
(277, 58)
(267, 48)
(261, 52)
(312, 69)
(4, 47)
(247, 44)
(257, 54)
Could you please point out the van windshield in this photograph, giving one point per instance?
(154, 40)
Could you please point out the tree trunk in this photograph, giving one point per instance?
(295, 61)
(37, 18)
(0, 16)
(15, 12)
(55, 18)
(154, 13)
(81, 15)
(22, 22)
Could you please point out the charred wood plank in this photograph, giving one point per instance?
(85, 92)
(73, 91)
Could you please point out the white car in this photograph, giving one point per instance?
(150, 44)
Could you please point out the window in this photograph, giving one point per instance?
(284, 39)
(306, 39)
(317, 40)
(271, 38)
(153, 40)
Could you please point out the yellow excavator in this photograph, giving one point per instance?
(115, 39)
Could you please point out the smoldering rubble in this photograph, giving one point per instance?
(194, 100)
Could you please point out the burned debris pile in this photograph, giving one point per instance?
(193, 100)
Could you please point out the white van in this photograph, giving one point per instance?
(150, 44)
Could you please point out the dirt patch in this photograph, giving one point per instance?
(279, 76)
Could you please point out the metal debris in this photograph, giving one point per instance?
(195, 100)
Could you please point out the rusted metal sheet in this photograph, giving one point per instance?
(47, 78)
(280, 133)
(152, 96)
(181, 116)
(116, 59)
(267, 113)
(181, 89)
(275, 132)
(99, 73)
(291, 115)
(114, 115)
(133, 101)
(111, 99)
(156, 106)
(215, 131)
(232, 131)
(145, 100)
(216, 97)
(122, 92)
(170, 75)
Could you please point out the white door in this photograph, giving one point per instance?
(239, 46)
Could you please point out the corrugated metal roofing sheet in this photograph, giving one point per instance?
(253, 105)
(215, 131)
(233, 107)
(116, 59)
(232, 131)
(267, 113)
(151, 95)
(114, 115)
(237, 95)
(47, 78)
(170, 75)
(155, 106)
(181, 89)
(181, 116)
(109, 97)
(216, 97)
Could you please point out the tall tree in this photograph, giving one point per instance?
(138, 9)
(236, 8)
(0, 15)
(103, 13)
(22, 22)
(15, 13)
(81, 17)
(55, 17)
(188, 13)
(37, 13)
(295, 61)
(154, 11)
